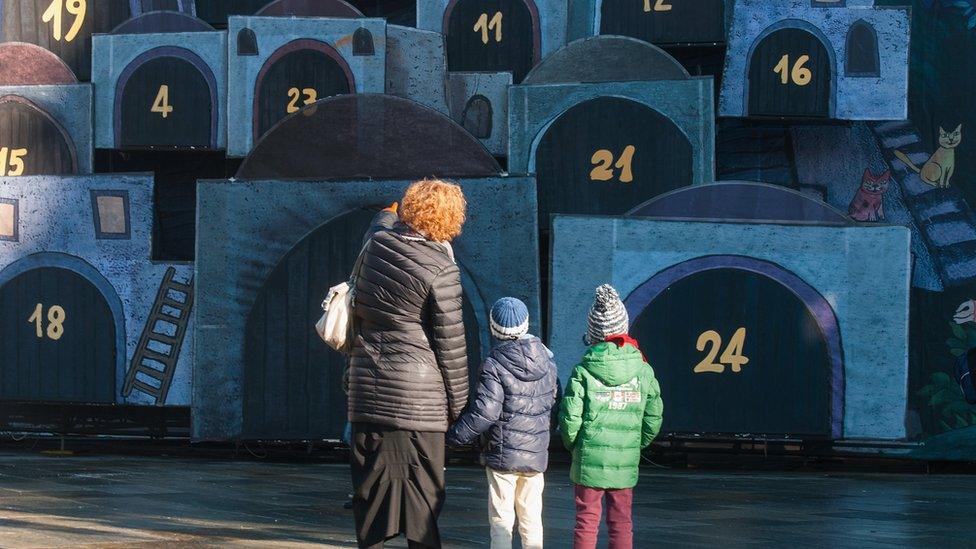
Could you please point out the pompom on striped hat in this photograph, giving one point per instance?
(608, 316)
(509, 319)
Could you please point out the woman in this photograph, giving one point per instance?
(408, 374)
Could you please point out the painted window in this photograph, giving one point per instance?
(828, 3)
(247, 42)
(362, 42)
(477, 117)
(110, 210)
(863, 58)
(9, 219)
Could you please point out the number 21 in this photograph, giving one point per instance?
(732, 356)
(603, 160)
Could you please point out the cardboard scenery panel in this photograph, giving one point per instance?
(663, 22)
(45, 114)
(90, 318)
(161, 83)
(270, 251)
(496, 35)
(276, 65)
(797, 59)
(794, 349)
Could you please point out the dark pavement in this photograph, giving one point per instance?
(118, 501)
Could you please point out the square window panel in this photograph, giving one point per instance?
(111, 214)
(9, 219)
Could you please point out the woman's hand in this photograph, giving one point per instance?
(392, 208)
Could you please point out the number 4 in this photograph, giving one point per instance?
(161, 103)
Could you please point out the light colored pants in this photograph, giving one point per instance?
(512, 495)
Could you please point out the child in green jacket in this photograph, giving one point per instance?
(612, 409)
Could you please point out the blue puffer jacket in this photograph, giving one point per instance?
(512, 406)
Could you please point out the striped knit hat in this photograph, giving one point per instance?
(607, 317)
(509, 319)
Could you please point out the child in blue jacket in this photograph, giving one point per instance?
(511, 410)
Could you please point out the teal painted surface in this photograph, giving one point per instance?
(863, 272)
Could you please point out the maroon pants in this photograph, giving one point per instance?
(589, 507)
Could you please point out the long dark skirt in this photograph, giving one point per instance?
(398, 477)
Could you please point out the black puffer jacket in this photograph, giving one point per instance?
(515, 396)
(409, 367)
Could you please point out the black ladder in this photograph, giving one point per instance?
(159, 351)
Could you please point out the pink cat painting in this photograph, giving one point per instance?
(868, 203)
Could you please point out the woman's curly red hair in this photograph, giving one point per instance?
(434, 208)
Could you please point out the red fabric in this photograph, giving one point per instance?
(625, 339)
(589, 508)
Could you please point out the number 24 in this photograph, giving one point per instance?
(732, 356)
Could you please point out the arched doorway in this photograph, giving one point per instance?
(664, 21)
(34, 143)
(58, 338)
(607, 155)
(492, 36)
(293, 384)
(63, 27)
(743, 347)
(298, 74)
(790, 74)
(166, 98)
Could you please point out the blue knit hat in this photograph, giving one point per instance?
(509, 319)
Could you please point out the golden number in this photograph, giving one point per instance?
(294, 94)
(55, 319)
(659, 5)
(707, 365)
(603, 162)
(52, 15)
(484, 26)
(161, 103)
(733, 353)
(800, 75)
(732, 356)
(35, 317)
(602, 159)
(625, 164)
(12, 161)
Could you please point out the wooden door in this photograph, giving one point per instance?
(665, 21)
(296, 77)
(32, 142)
(292, 380)
(64, 27)
(790, 76)
(608, 155)
(167, 103)
(738, 353)
(492, 36)
(57, 340)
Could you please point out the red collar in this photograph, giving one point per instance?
(624, 339)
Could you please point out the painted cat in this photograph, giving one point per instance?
(868, 203)
(939, 168)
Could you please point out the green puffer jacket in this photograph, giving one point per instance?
(611, 410)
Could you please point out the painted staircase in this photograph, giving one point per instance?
(947, 224)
